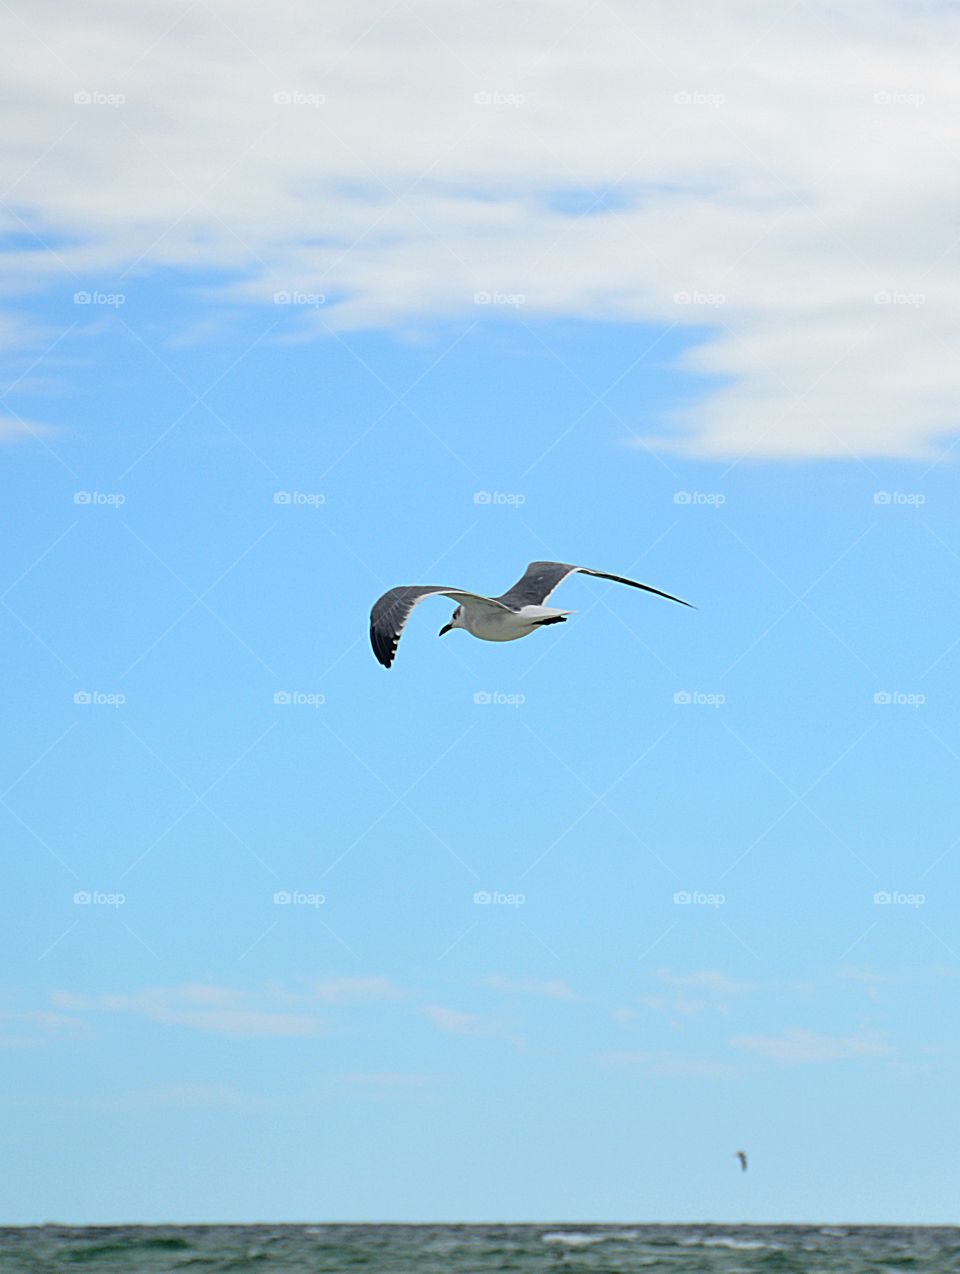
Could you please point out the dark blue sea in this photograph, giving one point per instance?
(474, 1249)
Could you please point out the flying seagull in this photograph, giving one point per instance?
(742, 1156)
(513, 614)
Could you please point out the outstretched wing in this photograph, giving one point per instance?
(392, 611)
(541, 578)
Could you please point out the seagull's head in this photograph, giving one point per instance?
(456, 621)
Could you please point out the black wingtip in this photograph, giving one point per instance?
(383, 653)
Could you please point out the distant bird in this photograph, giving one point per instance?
(742, 1156)
(513, 614)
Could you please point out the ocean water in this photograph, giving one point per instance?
(475, 1249)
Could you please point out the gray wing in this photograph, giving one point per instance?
(540, 579)
(392, 611)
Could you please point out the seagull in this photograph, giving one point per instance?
(515, 613)
(742, 1156)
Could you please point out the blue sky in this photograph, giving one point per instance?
(682, 819)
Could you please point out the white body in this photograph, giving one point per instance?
(495, 623)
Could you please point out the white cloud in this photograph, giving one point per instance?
(663, 1063)
(391, 1079)
(355, 990)
(687, 994)
(204, 1008)
(458, 1022)
(713, 981)
(36, 1026)
(793, 1046)
(177, 1096)
(13, 429)
(782, 183)
(551, 989)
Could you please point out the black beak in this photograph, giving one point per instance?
(445, 629)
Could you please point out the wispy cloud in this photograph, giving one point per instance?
(687, 994)
(177, 1096)
(353, 990)
(13, 429)
(551, 989)
(458, 1022)
(795, 1046)
(219, 1010)
(391, 1079)
(27, 1027)
(713, 981)
(670, 1065)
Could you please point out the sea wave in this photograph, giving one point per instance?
(573, 1238)
(732, 1242)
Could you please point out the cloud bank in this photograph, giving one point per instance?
(780, 185)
